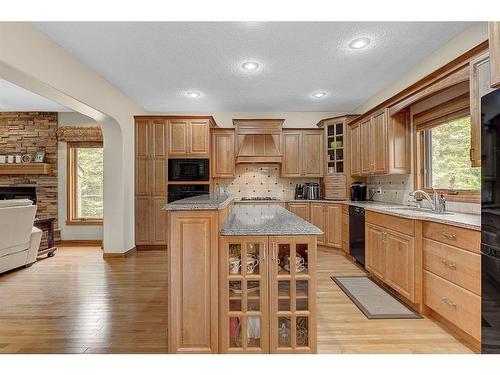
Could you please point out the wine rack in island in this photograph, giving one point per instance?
(268, 294)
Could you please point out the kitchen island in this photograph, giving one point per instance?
(242, 279)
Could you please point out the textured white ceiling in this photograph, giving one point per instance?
(157, 63)
(16, 99)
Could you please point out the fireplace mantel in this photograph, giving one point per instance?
(25, 168)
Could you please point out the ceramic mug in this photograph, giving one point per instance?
(299, 264)
(252, 262)
(3, 158)
(18, 159)
(10, 158)
(234, 265)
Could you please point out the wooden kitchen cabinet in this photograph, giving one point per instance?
(494, 47)
(312, 153)
(333, 227)
(378, 144)
(193, 284)
(267, 306)
(300, 209)
(292, 154)
(293, 295)
(150, 182)
(189, 137)
(244, 295)
(390, 252)
(399, 267)
(366, 142)
(384, 144)
(374, 250)
(452, 277)
(355, 149)
(319, 219)
(223, 155)
(479, 82)
(302, 153)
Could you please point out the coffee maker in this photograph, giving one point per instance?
(299, 191)
(358, 191)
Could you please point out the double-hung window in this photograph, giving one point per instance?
(85, 183)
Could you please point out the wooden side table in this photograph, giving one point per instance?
(46, 225)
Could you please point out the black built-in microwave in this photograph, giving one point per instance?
(188, 170)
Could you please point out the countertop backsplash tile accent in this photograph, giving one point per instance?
(262, 180)
(397, 188)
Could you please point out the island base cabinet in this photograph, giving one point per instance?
(193, 289)
(268, 306)
(244, 311)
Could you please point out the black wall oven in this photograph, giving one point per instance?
(188, 170)
(176, 192)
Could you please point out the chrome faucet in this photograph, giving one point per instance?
(433, 201)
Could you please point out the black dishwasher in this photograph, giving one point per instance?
(357, 233)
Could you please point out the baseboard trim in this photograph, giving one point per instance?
(119, 255)
(89, 243)
(151, 247)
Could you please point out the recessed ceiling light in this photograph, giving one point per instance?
(359, 43)
(193, 94)
(319, 94)
(250, 65)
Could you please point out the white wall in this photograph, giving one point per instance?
(454, 48)
(30, 59)
(72, 232)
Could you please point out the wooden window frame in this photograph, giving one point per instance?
(463, 196)
(71, 184)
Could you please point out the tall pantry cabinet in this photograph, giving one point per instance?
(150, 182)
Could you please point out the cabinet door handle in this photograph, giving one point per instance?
(449, 302)
(273, 257)
(264, 253)
(449, 235)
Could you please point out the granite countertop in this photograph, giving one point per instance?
(266, 220)
(457, 219)
(200, 203)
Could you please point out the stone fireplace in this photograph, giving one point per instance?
(27, 133)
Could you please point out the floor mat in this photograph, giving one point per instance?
(372, 300)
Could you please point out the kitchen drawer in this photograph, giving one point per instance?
(406, 226)
(456, 265)
(467, 239)
(456, 304)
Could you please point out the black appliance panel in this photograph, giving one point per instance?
(176, 192)
(357, 233)
(188, 170)
(490, 223)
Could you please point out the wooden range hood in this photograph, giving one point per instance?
(258, 140)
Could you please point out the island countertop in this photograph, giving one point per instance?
(266, 220)
(200, 203)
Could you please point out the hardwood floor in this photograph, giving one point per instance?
(343, 328)
(78, 302)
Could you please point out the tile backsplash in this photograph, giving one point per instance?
(397, 188)
(261, 180)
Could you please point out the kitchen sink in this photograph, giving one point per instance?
(422, 211)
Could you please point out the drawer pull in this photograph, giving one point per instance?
(449, 303)
(449, 235)
(449, 264)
